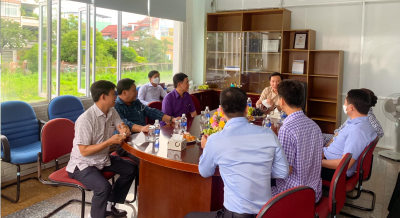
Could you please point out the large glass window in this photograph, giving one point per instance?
(69, 48)
(148, 45)
(19, 56)
(106, 44)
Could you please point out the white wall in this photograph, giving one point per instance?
(372, 53)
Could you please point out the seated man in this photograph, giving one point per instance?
(371, 116)
(134, 113)
(151, 91)
(247, 156)
(179, 102)
(302, 141)
(90, 153)
(357, 134)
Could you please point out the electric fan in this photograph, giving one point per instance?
(391, 108)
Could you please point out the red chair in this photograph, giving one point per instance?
(196, 103)
(363, 174)
(57, 140)
(337, 193)
(157, 105)
(136, 179)
(296, 202)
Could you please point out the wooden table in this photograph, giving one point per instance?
(170, 183)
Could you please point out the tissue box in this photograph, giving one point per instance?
(174, 155)
(176, 145)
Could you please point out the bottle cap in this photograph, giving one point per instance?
(156, 122)
(183, 115)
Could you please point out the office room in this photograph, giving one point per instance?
(200, 108)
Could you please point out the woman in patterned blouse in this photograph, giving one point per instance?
(374, 122)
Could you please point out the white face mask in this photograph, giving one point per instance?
(345, 109)
(156, 80)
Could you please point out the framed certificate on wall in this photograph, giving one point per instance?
(270, 45)
(300, 41)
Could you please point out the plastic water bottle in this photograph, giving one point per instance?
(203, 117)
(280, 123)
(183, 123)
(249, 103)
(156, 145)
(267, 122)
(177, 127)
(157, 128)
(207, 113)
(283, 115)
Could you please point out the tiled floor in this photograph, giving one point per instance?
(382, 182)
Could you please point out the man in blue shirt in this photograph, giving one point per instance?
(133, 113)
(248, 156)
(353, 138)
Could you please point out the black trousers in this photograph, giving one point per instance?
(123, 153)
(327, 174)
(223, 213)
(92, 178)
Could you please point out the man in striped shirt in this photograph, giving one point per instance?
(302, 141)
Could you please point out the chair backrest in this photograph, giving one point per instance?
(296, 202)
(337, 190)
(19, 123)
(365, 160)
(57, 139)
(66, 106)
(157, 105)
(196, 103)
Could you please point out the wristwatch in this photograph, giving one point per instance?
(172, 117)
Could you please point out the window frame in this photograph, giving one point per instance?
(91, 8)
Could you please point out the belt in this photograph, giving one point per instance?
(228, 213)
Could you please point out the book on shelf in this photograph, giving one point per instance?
(298, 67)
(232, 68)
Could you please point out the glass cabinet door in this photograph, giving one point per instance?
(223, 59)
(261, 58)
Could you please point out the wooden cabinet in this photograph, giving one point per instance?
(246, 47)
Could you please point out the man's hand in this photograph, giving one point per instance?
(145, 128)
(259, 102)
(117, 139)
(270, 102)
(124, 130)
(204, 139)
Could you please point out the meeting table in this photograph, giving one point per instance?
(170, 184)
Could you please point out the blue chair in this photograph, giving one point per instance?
(20, 138)
(66, 106)
(137, 88)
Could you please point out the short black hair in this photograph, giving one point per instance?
(124, 84)
(101, 87)
(292, 92)
(233, 101)
(372, 95)
(360, 99)
(151, 73)
(179, 77)
(276, 74)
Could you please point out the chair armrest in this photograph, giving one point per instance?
(6, 149)
(41, 124)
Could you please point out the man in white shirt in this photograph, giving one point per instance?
(151, 91)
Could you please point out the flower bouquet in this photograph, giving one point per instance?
(217, 122)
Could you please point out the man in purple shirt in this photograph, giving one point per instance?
(302, 141)
(179, 102)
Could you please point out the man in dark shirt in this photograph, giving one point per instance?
(133, 113)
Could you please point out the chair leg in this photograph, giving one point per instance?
(349, 215)
(136, 186)
(364, 208)
(83, 202)
(18, 182)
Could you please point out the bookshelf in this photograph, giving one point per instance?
(242, 39)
